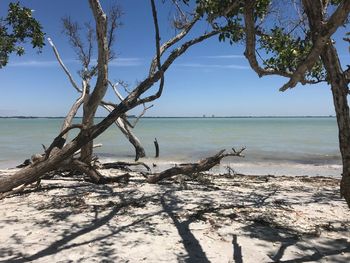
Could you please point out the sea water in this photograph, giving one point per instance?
(306, 145)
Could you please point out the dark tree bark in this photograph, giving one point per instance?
(339, 87)
(156, 146)
(340, 93)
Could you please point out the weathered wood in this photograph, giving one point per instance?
(25, 163)
(121, 165)
(191, 168)
(156, 146)
(94, 175)
(123, 126)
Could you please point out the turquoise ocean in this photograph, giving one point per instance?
(307, 144)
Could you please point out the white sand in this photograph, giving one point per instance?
(236, 219)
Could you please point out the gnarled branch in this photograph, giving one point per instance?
(191, 168)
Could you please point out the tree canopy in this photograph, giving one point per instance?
(15, 29)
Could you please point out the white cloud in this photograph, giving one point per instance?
(34, 63)
(125, 62)
(119, 62)
(208, 66)
(224, 56)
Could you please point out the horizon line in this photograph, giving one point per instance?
(199, 117)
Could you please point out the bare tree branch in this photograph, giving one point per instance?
(59, 141)
(71, 29)
(173, 41)
(63, 66)
(73, 111)
(123, 127)
(158, 63)
(114, 87)
(172, 57)
(102, 61)
(138, 117)
(90, 38)
(113, 22)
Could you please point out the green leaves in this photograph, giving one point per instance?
(15, 29)
(233, 31)
(227, 16)
(287, 52)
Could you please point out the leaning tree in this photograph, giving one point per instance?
(62, 154)
(293, 39)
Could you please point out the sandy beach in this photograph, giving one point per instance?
(205, 218)
(174, 131)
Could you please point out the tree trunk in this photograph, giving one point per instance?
(339, 86)
(88, 122)
(87, 149)
(139, 150)
(340, 92)
(123, 126)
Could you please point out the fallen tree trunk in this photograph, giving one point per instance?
(191, 168)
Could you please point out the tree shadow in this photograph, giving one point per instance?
(195, 252)
(329, 249)
(287, 239)
(237, 250)
(98, 222)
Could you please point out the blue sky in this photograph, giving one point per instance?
(212, 78)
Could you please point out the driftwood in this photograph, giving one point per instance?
(95, 176)
(191, 168)
(20, 189)
(156, 145)
(123, 165)
(25, 163)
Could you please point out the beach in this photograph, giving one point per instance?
(174, 131)
(204, 218)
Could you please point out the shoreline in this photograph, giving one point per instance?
(240, 166)
(209, 218)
